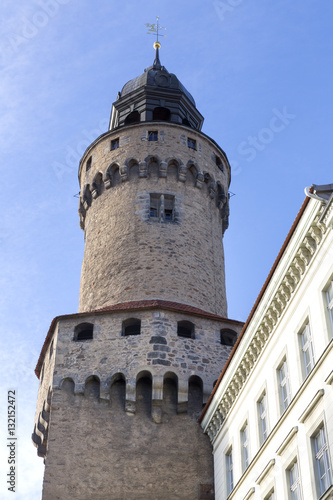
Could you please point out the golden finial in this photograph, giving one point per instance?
(155, 29)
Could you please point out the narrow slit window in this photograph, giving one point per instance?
(88, 164)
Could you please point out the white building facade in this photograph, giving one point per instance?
(270, 417)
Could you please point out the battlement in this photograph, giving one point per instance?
(200, 162)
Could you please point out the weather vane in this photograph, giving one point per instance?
(155, 29)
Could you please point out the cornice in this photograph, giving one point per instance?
(289, 281)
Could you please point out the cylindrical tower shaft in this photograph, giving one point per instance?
(153, 205)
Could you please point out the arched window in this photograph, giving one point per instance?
(161, 114)
(92, 387)
(83, 331)
(170, 393)
(185, 329)
(68, 386)
(228, 337)
(133, 117)
(144, 394)
(195, 394)
(118, 392)
(131, 326)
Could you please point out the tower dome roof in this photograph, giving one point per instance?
(156, 95)
(156, 77)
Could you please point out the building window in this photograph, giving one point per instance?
(161, 207)
(131, 326)
(229, 470)
(306, 350)
(322, 464)
(329, 304)
(161, 114)
(88, 164)
(245, 446)
(83, 331)
(152, 135)
(284, 386)
(228, 337)
(185, 329)
(115, 144)
(262, 414)
(133, 117)
(51, 349)
(294, 482)
(191, 143)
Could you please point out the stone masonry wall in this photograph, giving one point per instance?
(123, 412)
(128, 256)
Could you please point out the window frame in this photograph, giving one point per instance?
(229, 471)
(294, 481)
(262, 418)
(163, 206)
(306, 347)
(283, 385)
(191, 143)
(328, 289)
(318, 453)
(114, 144)
(152, 135)
(245, 446)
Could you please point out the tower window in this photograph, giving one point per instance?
(185, 329)
(191, 143)
(115, 144)
(152, 135)
(133, 117)
(161, 114)
(161, 207)
(131, 326)
(83, 331)
(186, 122)
(228, 337)
(88, 164)
(218, 162)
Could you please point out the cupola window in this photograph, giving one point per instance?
(115, 144)
(133, 117)
(161, 114)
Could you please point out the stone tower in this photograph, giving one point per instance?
(123, 381)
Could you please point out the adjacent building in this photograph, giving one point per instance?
(270, 417)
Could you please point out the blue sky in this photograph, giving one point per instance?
(261, 74)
